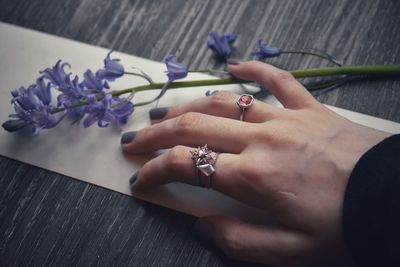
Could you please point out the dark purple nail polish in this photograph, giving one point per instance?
(128, 137)
(204, 230)
(158, 113)
(232, 61)
(133, 179)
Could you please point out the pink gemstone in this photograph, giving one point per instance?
(245, 100)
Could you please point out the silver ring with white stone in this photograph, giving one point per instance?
(204, 160)
(244, 102)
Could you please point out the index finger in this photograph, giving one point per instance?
(281, 83)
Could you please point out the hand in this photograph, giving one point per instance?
(292, 162)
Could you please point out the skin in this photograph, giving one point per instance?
(293, 162)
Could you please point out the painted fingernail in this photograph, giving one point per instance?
(204, 230)
(128, 137)
(133, 179)
(158, 113)
(232, 61)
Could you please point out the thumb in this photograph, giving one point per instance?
(281, 83)
(255, 243)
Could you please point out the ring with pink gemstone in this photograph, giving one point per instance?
(204, 160)
(244, 102)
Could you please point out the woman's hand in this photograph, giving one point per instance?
(292, 162)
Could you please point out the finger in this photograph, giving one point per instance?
(177, 165)
(281, 83)
(246, 242)
(191, 129)
(222, 104)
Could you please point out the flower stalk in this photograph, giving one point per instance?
(370, 70)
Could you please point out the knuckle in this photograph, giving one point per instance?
(230, 243)
(187, 123)
(220, 98)
(246, 169)
(280, 77)
(175, 159)
(283, 135)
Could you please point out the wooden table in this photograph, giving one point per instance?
(50, 219)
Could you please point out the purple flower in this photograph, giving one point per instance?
(71, 94)
(175, 69)
(112, 69)
(93, 81)
(99, 80)
(33, 105)
(266, 51)
(25, 98)
(56, 74)
(107, 110)
(39, 117)
(221, 44)
(42, 91)
(42, 118)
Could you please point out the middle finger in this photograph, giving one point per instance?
(191, 129)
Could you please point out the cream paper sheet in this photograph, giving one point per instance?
(94, 155)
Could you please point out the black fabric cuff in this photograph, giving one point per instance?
(371, 208)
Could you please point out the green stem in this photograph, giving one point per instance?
(373, 70)
(316, 54)
(312, 72)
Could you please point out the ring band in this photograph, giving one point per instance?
(204, 160)
(244, 102)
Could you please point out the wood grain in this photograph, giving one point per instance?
(49, 219)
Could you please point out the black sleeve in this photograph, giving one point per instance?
(371, 208)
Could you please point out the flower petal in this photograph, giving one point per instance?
(14, 125)
(175, 69)
(221, 44)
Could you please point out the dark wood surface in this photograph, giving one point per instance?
(50, 219)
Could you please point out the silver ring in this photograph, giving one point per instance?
(204, 160)
(244, 102)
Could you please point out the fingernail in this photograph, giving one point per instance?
(232, 61)
(158, 113)
(204, 230)
(133, 179)
(128, 137)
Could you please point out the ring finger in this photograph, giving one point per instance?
(176, 165)
(191, 129)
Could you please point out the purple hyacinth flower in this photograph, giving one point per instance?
(93, 81)
(71, 94)
(175, 69)
(42, 91)
(42, 118)
(99, 80)
(56, 74)
(266, 51)
(112, 69)
(26, 98)
(110, 109)
(39, 118)
(21, 118)
(221, 44)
